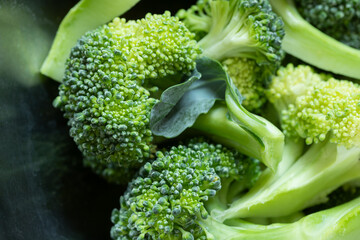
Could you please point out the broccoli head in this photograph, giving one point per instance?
(169, 197)
(237, 28)
(250, 79)
(320, 106)
(106, 90)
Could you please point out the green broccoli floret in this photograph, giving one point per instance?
(314, 47)
(250, 79)
(322, 112)
(168, 199)
(339, 19)
(237, 28)
(172, 195)
(245, 36)
(106, 91)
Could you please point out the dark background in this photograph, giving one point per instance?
(45, 193)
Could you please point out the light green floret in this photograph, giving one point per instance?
(249, 78)
(317, 106)
(106, 91)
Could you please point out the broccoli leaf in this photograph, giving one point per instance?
(180, 105)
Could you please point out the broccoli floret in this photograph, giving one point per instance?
(314, 47)
(250, 79)
(339, 19)
(320, 107)
(169, 197)
(106, 94)
(237, 28)
(245, 36)
(322, 112)
(170, 200)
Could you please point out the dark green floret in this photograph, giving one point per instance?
(315, 47)
(168, 199)
(106, 91)
(246, 36)
(173, 196)
(339, 19)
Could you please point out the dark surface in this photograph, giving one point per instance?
(45, 193)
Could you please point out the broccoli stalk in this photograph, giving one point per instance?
(340, 222)
(324, 113)
(309, 44)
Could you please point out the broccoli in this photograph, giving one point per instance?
(339, 19)
(245, 33)
(106, 90)
(250, 79)
(173, 196)
(314, 47)
(237, 28)
(112, 82)
(245, 36)
(324, 113)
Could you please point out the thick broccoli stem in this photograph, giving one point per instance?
(323, 168)
(217, 125)
(292, 151)
(307, 43)
(269, 135)
(341, 222)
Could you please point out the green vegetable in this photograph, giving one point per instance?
(309, 44)
(339, 19)
(168, 199)
(237, 28)
(245, 36)
(112, 83)
(106, 92)
(250, 79)
(173, 196)
(84, 16)
(324, 113)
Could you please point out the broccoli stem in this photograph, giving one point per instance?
(217, 125)
(341, 222)
(307, 43)
(237, 37)
(269, 135)
(323, 168)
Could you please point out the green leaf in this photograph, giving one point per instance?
(180, 105)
